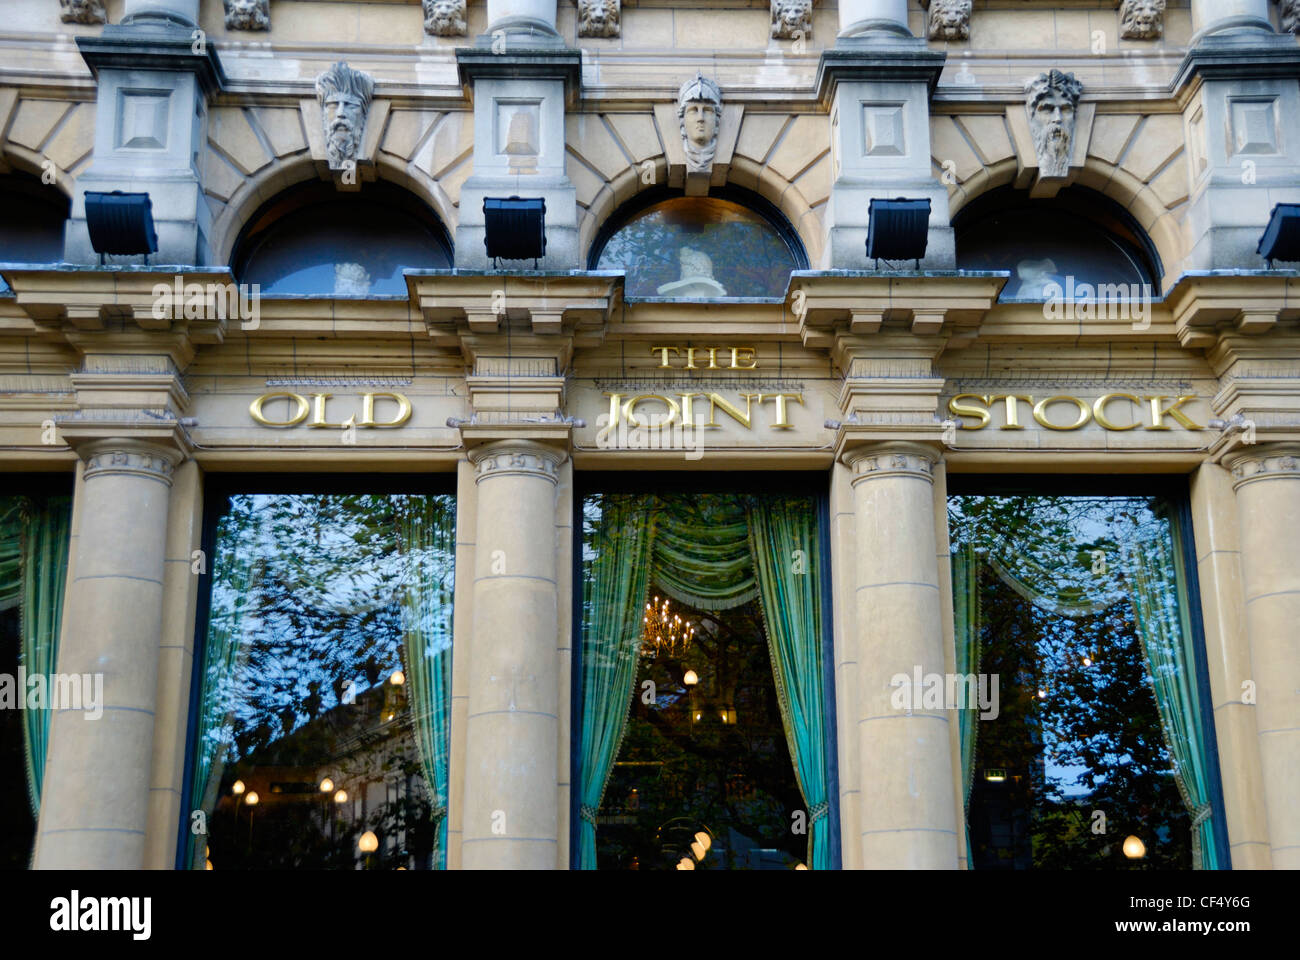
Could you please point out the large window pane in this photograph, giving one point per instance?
(1098, 756)
(323, 716)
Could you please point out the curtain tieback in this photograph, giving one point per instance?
(588, 813)
(818, 811)
(1202, 815)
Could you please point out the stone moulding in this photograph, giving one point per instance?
(445, 18)
(248, 14)
(599, 18)
(947, 19)
(791, 19)
(83, 11)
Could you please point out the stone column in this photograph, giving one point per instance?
(1219, 16)
(511, 806)
(908, 800)
(95, 802)
(861, 17)
(1267, 483)
(522, 16)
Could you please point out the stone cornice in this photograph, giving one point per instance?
(1205, 306)
(528, 58)
(904, 59)
(139, 47)
(1256, 55)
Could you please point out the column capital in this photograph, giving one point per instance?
(1267, 461)
(507, 458)
(118, 456)
(892, 459)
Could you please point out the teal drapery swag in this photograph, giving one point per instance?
(34, 544)
(1149, 575)
(712, 552)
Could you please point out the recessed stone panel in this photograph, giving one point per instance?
(1253, 126)
(142, 119)
(882, 130)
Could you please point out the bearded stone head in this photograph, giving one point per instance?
(948, 19)
(1053, 104)
(1142, 19)
(791, 19)
(1290, 14)
(248, 14)
(344, 96)
(599, 18)
(83, 11)
(444, 18)
(699, 108)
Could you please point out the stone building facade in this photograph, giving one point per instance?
(495, 377)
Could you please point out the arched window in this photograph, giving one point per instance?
(315, 241)
(31, 230)
(1078, 240)
(732, 244)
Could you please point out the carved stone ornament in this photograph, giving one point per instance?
(947, 19)
(1053, 102)
(497, 461)
(138, 462)
(1267, 464)
(445, 18)
(83, 11)
(599, 18)
(791, 19)
(344, 96)
(1142, 19)
(1290, 12)
(248, 14)
(699, 110)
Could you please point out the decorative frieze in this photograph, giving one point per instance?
(1052, 104)
(1267, 463)
(445, 18)
(344, 96)
(599, 18)
(873, 463)
(516, 458)
(134, 460)
(947, 19)
(791, 19)
(83, 11)
(1142, 19)
(248, 14)
(699, 108)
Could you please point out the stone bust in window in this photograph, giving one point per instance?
(696, 281)
(344, 96)
(699, 106)
(351, 280)
(1053, 103)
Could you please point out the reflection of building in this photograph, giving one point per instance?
(379, 343)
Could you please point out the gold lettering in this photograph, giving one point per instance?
(1099, 411)
(688, 409)
(255, 410)
(713, 357)
(958, 409)
(318, 421)
(1040, 412)
(663, 356)
(743, 419)
(781, 422)
(735, 358)
(629, 409)
(1013, 420)
(1158, 413)
(368, 410)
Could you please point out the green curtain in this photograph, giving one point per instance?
(967, 625)
(1155, 569)
(701, 553)
(614, 595)
(427, 538)
(34, 544)
(786, 561)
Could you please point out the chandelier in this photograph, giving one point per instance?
(664, 632)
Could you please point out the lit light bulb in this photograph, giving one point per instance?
(704, 840)
(1134, 848)
(685, 863)
(327, 785)
(1087, 661)
(691, 678)
(697, 848)
(397, 679)
(252, 798)
(368, 842)
(699, 716)
(341, 797)
(802, 866)
(237, 787)
(207, 864)
(1042, 694)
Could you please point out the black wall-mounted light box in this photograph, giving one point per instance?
(120, 223)
(515, 228)
(898, 229)
(1281, 240)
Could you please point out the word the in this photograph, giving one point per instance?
(320, 421)
(946, 691)
(737, 354)
(58, 691)
(133, 914)
(964, 405)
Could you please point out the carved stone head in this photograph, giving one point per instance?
(699, 109)
(791, 18)
(248, 14)
(695, 263)
(599, 18)
(351, 280)
(344, 96)
(1053, 105)
(1142, 19)
(948, 19)
(1290, 12)
(83, 11)
(445, 18)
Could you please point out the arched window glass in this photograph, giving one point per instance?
(315, 241)
(31, 230)
(701, 248)
(1080, 241)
